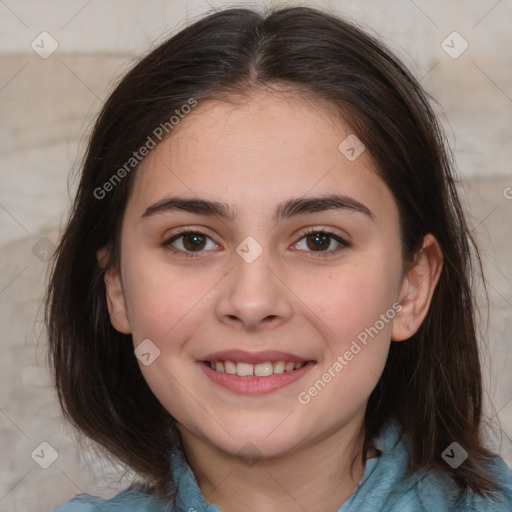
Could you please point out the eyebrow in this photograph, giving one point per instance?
(285, 210)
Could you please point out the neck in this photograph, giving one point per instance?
(318, 476)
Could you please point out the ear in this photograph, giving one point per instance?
(418, 286)
(114, 293)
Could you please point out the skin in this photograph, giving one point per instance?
(268, 149)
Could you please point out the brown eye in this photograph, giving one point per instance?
(320, 241)
(189, 242)
(194, 242)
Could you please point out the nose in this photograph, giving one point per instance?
(254, 295)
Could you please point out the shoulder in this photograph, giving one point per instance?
(388, 485)
(435, 488)
(130, 500)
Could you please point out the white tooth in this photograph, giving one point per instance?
(299, 365)
(230, 367)
(263, 369)
(219, 367)
(289, 366)
(279, 366)
(244, 369)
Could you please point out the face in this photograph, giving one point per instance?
(279, 275)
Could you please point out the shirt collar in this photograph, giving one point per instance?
(190, 498)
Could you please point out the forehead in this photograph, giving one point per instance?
(256, 152)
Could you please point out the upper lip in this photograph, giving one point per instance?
(263, 356)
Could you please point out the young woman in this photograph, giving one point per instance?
(262, 299)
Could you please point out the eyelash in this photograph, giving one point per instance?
(191, 254)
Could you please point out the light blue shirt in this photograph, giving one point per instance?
(383, 487)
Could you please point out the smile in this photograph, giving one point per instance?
(254, 379)
(264, 369)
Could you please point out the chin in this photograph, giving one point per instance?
(256, 443)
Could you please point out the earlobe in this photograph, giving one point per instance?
(115, 295)
(418, 286)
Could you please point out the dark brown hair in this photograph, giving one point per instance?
(431, 383)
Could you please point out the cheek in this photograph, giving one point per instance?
(158, 300)
(350, 300)
(166, 307)
(353, 310)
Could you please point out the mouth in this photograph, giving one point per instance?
(254, 373)
(261, 370)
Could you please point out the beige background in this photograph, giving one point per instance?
(47, 106)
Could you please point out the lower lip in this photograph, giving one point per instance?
(253, 385)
